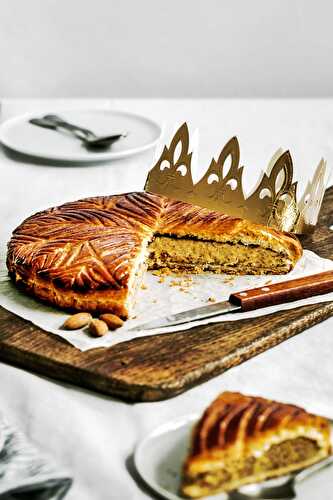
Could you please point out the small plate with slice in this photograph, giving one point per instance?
(159, 459)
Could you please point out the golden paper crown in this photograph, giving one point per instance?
(273, 201)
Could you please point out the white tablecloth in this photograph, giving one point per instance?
(94, 435)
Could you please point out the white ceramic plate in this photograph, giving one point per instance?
(159, 458)
(23, 137)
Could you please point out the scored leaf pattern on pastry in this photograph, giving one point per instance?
(233, 417)
(87, 244)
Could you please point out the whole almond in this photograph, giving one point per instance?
(112, 321)
(77, 321)
(98, 328)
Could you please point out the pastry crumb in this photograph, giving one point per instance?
(183, 283)
(144, 286)
(162, 272)
(162, 279)
(211, 299)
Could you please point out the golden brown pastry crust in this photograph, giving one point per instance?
(182, 219)
(84, 255)
(235, 427)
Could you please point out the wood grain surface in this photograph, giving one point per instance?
(158, 367)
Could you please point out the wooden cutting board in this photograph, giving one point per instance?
(158, 367)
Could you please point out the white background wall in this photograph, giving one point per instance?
(166, 48)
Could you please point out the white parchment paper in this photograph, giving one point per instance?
(161, 297)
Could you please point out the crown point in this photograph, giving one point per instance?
(223, 191)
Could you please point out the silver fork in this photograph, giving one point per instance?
(89, 138)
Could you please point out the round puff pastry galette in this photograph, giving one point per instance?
(90, 255)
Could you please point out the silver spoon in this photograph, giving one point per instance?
(85, 135)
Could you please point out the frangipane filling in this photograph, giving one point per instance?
(291, 454)
(192, 255)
